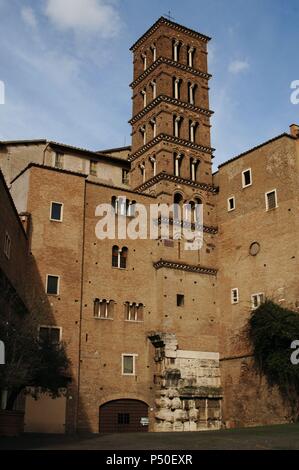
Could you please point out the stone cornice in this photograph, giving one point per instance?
(184, 267)
(173, 25)
(172, 139)
(173, 63)
(175, 179)
(182, 223)
(168, 99)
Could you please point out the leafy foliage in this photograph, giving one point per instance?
(272, 329)
(29, 361)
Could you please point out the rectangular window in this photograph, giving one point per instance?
(52, 285)
(128, 364)
(231, 204)
(125, 176)
(50, 334)
(123, 418)
(180, 298)
(257, 300)
(93, 168)
(234, 296)
(7, 245)
(56, 211)
(271, 200)
(59, 160)
(246, 178)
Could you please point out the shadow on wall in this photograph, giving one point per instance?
(42, 413)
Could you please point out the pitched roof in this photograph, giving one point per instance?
(285, 134)
(172, 24)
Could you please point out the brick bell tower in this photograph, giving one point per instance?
(171, 116)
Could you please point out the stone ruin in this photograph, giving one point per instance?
(188, 388)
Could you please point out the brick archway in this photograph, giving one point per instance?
(124, 415)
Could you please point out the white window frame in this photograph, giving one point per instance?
(243, 178)
(58, 284)
(7, 245)
(258, 294)
(51, 327)
(229, 209)
(266, 199)
(61, 214)
(234, 289)
(134, 363)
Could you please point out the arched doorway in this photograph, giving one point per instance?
(123, 415)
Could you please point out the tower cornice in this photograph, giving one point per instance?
(184, 267)
(172, 139)
(175, 179)
(173, 63)
(171, 24)
(168, 99)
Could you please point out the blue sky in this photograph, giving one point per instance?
(66, 66)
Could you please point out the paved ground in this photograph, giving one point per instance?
(266, 437)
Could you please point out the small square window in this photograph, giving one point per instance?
(180, 298)
(56, 211)
(246, 178)
(231, 205)
(128, 364)
(234, 296)
(257, 300)
(7, 245)
(50, 333)
(271, 200)
(52, 285)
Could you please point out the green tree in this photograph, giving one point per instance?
(272, 329)
(29, 361)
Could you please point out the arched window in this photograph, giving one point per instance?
(190, 56)
(154, 88)
(177, 121)
(143, 94)
(177, 162)
(191, 92)
(176, 83)
(119, 257)
(133, 311)
(142, 170)
(192, 130)
(114, 204)
(143, 133)
(103, 308)
(144, 61)
(198, 209)
(176, 50)
(123, 258)
(194, 164)
(154, 164)
(154, 52)
(115, 256)
(131, 208)
(154, 127)
(178, 205)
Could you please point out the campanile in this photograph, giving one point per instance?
(171, 115)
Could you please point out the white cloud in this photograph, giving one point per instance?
(237, 66)
(28, 17)
(89, 16)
